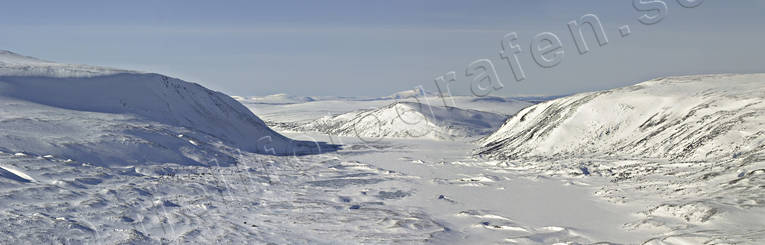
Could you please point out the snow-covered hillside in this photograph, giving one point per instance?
(109, 116)
(92, 155)
(689, 151)
(293, 109)
(409, 120)
(688, 118)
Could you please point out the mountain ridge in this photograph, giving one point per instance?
(409, 120)
(113, 95)
(685, 117)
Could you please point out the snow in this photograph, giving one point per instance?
(338, 110)
(14, 174)
(109, 116)
(688, 118)
(413, 93)
(408, 120)
(475, 193)
(98, 155)
(685, 149)
(331, 106)
(13, 64)
(275, 99)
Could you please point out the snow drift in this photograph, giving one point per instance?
(681, 118)
(409, 120)
(65, 109)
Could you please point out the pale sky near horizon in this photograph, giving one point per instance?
(373, 48)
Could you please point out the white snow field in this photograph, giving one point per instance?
(692, 148)
(713, 117)
(408, 120)
(92, 155)
(276, 110)
(117, 117)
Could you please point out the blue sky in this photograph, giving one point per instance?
(371, 48)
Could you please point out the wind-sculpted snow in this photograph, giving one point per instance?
(688, 118)
(409, 120)
(310, 199)
(93, 155)
(690, 149)
(112, 116)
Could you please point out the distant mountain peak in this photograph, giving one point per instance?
(14, 64)
(409, 120)
(12, 57)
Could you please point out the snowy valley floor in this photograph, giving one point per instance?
(391, 191)
(125, 131)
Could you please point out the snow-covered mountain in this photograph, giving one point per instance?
(13, 64)
(687, 117)
(498, 105)
(106, 156)
(275, 99)
(416, 92)
(109, 116)
(409, 120)
(321, 107)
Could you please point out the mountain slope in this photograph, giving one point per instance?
(409, 120)
(292, 113)
(108, 115)
(688, 118)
